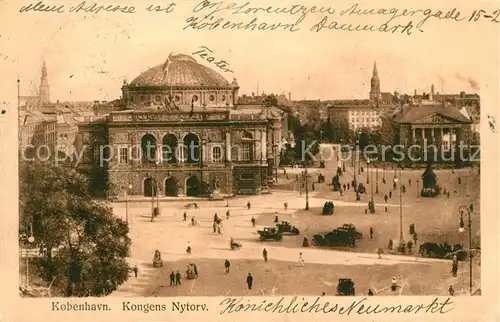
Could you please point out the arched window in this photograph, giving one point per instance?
(148, 149)
(191, 148)
(169, 148)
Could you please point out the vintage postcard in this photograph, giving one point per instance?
(249, 160)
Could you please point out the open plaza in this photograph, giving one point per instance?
(435, 219)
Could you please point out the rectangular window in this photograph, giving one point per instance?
(246, 151)
(217, 154)
(123, 155)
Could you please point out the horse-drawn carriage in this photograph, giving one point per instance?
(345, 287)
(191, 272)
(270, 234)
(361, 188)
(285, 227)
(157, 261)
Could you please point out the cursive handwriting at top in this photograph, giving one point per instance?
(394, 13)
(206, 52)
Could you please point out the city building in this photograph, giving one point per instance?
(37, 132)
(181, 133)
(440, 125)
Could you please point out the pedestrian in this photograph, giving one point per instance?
(313, 187)
(301, 261)
(195, 269)
(459, 180)
(249, 281)
(409, 182)
(177, 278)
(264, 254)
(196, 206)
(379, 253)
(394, 185)
(344, 186)
(172, 278)
(286, 205)
(371, 233)
(340, 190)
(227, 265)
(348, 186)
(386, 198)
(253, 221)
(249, 205)
(188, 249)
(394, 285)
(451, 290)
(215, 227)
(323, 294)
(185, 216)
(136, 270)
(366, 211)
(415, 238)
(390, 194)
(219, 231)
(454, 269)
(227, 215)
(370, 292)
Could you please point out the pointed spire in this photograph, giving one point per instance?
(44, 91)
(375, 72)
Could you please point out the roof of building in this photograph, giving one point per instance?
(414, 114)
(180, 70)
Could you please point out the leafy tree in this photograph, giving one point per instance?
(83, 244)
(271, 100)
(328, 131)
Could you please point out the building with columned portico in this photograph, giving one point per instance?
(180, 132)
(433, 125)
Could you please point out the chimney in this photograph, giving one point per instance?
(431, 98)
(289, 96)
(415, 92)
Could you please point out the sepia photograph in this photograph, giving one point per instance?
(211, 149)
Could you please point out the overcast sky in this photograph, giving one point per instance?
(88, 55)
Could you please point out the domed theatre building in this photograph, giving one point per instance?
(181, 133)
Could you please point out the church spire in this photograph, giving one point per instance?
(44, 92)
(375, 94)
(375, 72)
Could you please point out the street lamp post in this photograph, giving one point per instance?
(418, 191)
(461, 229)
(401, 241)
(31, 239)
(129, 187)
(367, 171)
(376, 178)
(307, 190)
(368, 175)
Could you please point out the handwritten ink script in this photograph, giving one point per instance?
(320, 305)
(207, 54)
(220, 15)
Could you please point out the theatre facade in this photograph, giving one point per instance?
(181, 133)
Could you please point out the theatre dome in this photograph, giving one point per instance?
(180, 70)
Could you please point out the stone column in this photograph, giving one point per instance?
(263, 156)
(442, 138)
(228, 146)
(432, 135)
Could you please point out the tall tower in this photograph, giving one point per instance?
(44, 92)
(375, 94)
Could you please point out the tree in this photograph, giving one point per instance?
(271, 100)
(327, 130)
(83, 244)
